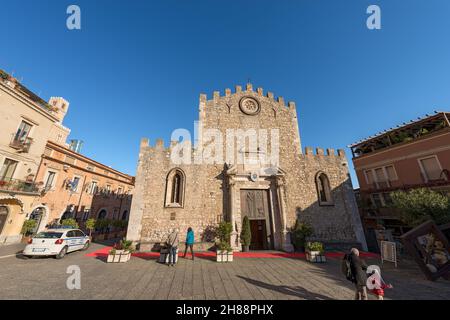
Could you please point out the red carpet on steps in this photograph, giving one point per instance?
(254, 254)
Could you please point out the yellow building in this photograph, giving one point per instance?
(26, 124)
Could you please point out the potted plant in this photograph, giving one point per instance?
(246, 235)
(300, 232)
(121, 252)
(314, 252)
(27, 229)
(224, 252)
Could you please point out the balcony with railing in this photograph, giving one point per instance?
(435, 178)
(21, 144)
(19, 186)
(425, 180)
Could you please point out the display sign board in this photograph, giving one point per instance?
(389, 252)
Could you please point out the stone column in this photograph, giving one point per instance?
(285, 238)
(234, 233)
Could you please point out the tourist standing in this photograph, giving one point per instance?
(172, 243)
(189, 242)
(359, 277)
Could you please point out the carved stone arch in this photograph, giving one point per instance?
(175, 188)
(102, 213)
(44, 218)
(323, 187)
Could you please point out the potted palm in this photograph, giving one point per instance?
(314, 252)
(121, 252)
(246, 235)
(224, 252)
(27, 229)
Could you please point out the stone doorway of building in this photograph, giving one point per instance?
(3, 217)
(259, 235)
(255, 204)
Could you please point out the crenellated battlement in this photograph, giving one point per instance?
(159, 145)
(217, 95)
(309, 151)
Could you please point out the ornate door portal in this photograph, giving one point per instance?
(255, 205)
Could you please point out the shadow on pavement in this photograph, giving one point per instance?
(295, 291)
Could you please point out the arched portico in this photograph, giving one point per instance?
(41, 214)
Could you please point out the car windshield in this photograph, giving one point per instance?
(50, 235)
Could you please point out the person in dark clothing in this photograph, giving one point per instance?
(359, 276)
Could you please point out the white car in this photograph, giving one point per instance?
(56, 242)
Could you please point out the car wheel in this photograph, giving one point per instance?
(86, 246)
(62, 253)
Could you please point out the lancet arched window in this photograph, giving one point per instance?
(175, 185)
(323, 189)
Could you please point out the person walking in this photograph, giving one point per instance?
(189, 242)
(172, 243)
(359, 277)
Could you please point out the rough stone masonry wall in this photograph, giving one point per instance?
(331, 223)
(202, 204)
(206, 196)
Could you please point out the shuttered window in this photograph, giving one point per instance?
(431, 168)
(369, 176)
(392, 175)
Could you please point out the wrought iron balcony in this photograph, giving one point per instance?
(22, 145)
(439, 177)
(435, 179)
(15, 185)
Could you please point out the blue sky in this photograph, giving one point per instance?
(136, 68)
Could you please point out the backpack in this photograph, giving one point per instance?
(346, 268)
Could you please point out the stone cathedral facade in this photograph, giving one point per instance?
(314, 187)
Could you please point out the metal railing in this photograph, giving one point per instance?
(15, 185)
(23, 145)
(433, 179)
(437, 176)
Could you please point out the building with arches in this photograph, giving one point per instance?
(75, 186)
(42, 178)
(27, 122)
(312, 187)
